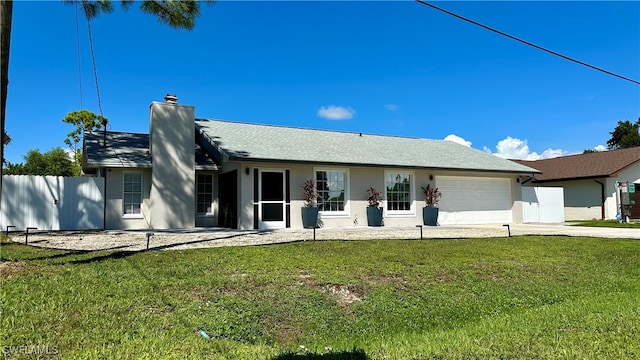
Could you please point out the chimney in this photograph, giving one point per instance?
(171, 99)
(172, 146)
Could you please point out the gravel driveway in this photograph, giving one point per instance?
(215, 237)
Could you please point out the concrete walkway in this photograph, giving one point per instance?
(216, 237)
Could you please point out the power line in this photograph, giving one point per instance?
(78, 42)
(93, 60)
(527, 42)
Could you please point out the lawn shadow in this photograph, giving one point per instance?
(355, 354)
(168, 246)
(69, 252)
(58, 256)
(111, 256)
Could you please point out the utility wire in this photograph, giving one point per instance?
(78, 42)
(93, 60)
(528, 43)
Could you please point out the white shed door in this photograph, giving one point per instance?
(542, 204)
(474, 200)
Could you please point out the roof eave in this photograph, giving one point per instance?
(394, 166)
(592, 177)
(120, 164)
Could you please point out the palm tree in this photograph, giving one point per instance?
(179, 14)
(6, 9)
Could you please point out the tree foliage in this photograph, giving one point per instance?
(625, 135)
(6, 139)
(82, 120)
(591, 151)
(177, 14)
(55, 162)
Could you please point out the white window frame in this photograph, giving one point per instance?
(412, 208)
(124, 205)
(213, 187)
(334, 214)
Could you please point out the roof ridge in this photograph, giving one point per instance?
(316, 129)
(591, 154)
(116, 132)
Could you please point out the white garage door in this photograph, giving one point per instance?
(473, 200)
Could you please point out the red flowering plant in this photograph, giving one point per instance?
(431, 196)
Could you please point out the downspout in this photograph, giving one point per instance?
(602, 198)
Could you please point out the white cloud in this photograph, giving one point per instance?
(600, 148)
(70, 154)
(391, 107)
(333, 112)
(457, 139)
(514, 148)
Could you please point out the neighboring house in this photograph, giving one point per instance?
(589, 181)
(190, 172)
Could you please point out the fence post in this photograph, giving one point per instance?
(420, 226)
(6, 233)
(26, 236)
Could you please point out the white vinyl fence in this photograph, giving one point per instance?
(52, 202)
(542, 204)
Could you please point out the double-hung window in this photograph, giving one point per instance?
(331, 186)
(132, 194)
(398, 193)
(204, 194)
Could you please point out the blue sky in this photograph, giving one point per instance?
(395, 67)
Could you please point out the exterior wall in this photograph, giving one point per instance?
(359, 180)
(172, 136)
(517, 216)
(632, 175)
(244, 197)
(114, 211)
(582, 199)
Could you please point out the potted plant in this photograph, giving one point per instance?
(430, 210)
(374, 211)
(309, 211)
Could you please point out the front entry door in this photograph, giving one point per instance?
(272, 205)
(228, 197)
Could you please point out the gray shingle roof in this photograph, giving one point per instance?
(128, 150)
(239, 141)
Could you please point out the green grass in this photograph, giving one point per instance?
(606, 223)
(513, 298)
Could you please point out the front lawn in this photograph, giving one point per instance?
(513, 298)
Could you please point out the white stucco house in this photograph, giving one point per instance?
(190, 172)
(590, 181)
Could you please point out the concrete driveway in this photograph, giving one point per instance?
(570, 230)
